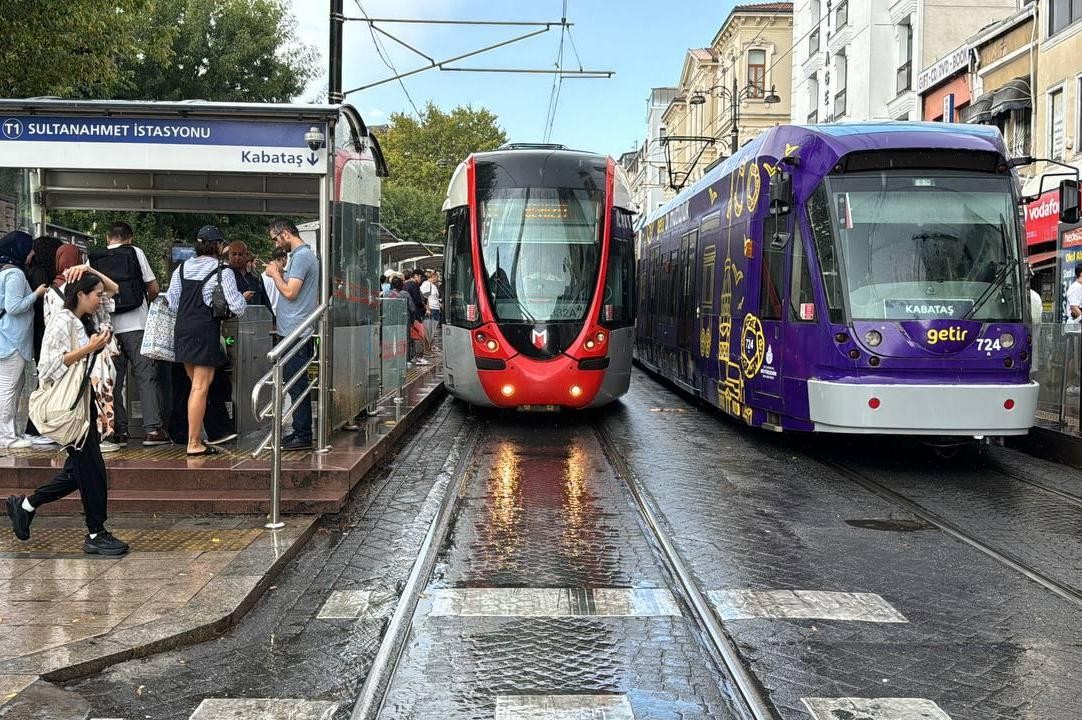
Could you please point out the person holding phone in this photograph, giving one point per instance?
(70, 336)
(16, 331)
(71, 268)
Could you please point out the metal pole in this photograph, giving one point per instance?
(735, 100)
(276, 451)
(326, 230)
(334, 79)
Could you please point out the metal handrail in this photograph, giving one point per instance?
(278, 356)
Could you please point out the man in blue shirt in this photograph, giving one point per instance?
(298, 288)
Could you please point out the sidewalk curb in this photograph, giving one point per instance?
(190, 625)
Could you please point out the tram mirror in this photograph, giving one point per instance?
(781, 193)
(1068, 202)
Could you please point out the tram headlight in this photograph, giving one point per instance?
(600, 336)
(873, 338)
(589, 344)
(492, 346)
(1006, 340)
(507, 390)
(479, 337)
(576, 391)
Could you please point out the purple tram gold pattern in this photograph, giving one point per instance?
(717, 319)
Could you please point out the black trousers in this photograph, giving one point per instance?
(84, 470)
(216, 420)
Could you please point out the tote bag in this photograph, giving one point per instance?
(158, 333)
(61, 410)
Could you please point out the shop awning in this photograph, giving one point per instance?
(1014, 95)
(979, 111)
(1041, 259)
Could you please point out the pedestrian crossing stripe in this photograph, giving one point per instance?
(563, 707)
(553, 602)
(803, 604)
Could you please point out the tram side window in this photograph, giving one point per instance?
(826, 251)
(618, 305)
(462, 309)
(771, 282)
(801, 296)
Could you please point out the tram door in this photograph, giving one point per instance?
(763, 345)
(685, 313)
(706, 311)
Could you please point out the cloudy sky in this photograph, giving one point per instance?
(643, 42)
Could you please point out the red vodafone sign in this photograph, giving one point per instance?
(1042, 218)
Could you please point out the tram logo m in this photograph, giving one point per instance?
(540, 338)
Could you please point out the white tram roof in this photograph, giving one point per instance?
(458, 194)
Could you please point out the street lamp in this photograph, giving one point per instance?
(735, 95)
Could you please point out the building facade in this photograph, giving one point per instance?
(857, 61)
(748, 51)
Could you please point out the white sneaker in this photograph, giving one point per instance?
(39, 440)
(17, 444)
(108, 447)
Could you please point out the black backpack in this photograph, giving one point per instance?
(121, 265)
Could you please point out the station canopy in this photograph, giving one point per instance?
(243, 158)
(396, 253)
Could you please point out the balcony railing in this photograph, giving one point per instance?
(839, 104)
(813, 117)
(905, 77)
(813, 42)
(841, 14)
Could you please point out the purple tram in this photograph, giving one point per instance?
(861, 278)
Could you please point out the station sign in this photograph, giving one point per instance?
(159, 144)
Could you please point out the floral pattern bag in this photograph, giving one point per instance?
(159, 330)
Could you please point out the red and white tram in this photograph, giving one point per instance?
(539, 279)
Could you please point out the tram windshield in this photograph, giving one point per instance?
(908, 246)
(541, 247)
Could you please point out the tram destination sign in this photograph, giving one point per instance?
(163, 144)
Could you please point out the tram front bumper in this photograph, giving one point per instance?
(904, 409)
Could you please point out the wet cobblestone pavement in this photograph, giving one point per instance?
(550, 597)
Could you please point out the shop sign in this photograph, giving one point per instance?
(1042, 218)
(943, 69)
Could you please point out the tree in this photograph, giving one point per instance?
(222, 50)
(422, 155)
(71, 48)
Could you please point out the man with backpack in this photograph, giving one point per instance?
(127, 266)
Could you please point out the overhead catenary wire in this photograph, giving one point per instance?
(557, 78)
(385, 57)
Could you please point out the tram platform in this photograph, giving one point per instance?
(163, 480)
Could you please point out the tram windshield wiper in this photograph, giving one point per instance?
(500, 283)
(999, 279)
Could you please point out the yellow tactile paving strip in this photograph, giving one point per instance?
(66, 540)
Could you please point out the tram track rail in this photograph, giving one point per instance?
(1068, 592)
(378, 680)
(1069, 497)
(749, 690)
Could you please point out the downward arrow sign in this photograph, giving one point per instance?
(313, 159)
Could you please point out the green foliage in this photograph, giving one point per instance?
(422, 155)
(222, 50)
(71, 48)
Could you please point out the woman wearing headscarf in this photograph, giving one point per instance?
(40, 270)
(69, 269)
(16, 330)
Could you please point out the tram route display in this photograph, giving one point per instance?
(539, 279)
(851, 278)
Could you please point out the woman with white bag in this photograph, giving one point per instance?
(70, 337)
(69, 268)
